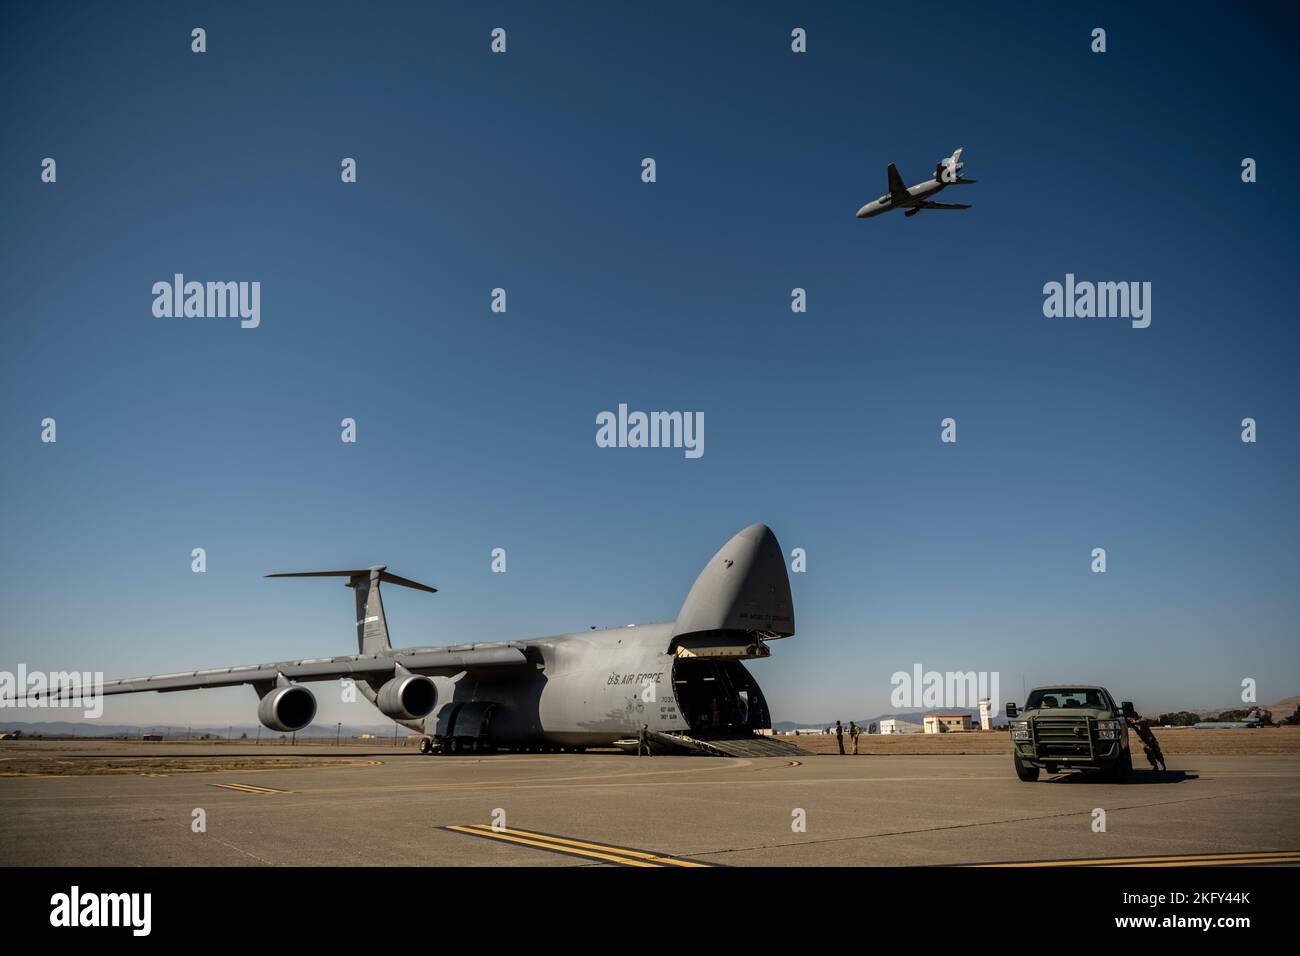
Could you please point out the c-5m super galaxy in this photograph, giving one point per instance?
(947, 172)
(683, 680)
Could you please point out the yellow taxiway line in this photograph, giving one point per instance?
(248, 788)
(603, 852)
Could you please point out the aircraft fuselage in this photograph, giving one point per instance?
(596, 687)
(915, 196)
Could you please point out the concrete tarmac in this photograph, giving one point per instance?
(391, 806)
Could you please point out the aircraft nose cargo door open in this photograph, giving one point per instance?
(724, 707)
(718, 696)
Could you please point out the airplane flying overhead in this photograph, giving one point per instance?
(683, 680)
(947, 172)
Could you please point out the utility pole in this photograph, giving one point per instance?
(338, 735)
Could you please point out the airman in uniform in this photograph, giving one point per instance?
(1150, 746)
(854, 730)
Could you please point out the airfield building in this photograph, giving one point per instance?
(947, 723)
(893, 725)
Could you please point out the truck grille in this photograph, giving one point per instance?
(1062, 737)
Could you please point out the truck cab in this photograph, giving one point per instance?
(1070, 727)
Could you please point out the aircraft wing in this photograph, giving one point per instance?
(897, 187)
(444, 661)
(945, 205)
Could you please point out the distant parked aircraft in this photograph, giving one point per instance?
(1253, 719)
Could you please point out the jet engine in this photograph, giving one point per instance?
(287, 709)
(407, 697)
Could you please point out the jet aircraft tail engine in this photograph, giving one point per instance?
(287, 708)
(949, 169)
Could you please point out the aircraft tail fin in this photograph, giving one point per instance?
(372, 627)
(744, 587)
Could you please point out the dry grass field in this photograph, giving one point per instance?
(90, 757)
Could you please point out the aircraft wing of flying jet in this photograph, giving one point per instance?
(674, 681)
(913, 199)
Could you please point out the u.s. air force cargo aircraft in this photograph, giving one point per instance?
(915, 198)
(683, 680)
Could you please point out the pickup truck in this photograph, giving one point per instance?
(1071, 727)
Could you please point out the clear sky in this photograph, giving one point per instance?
(476, 430)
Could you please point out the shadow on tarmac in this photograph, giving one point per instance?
(1139, 777)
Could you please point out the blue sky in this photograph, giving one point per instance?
(476, 430)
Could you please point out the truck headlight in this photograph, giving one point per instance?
(1108, 729)
(1020, 730)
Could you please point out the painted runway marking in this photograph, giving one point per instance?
(1194, 859)
(247, 788)
(603, 852)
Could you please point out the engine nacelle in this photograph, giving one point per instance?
(407, 697)
(287, 709)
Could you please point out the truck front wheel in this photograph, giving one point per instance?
(1125, 768)
(1023, 770)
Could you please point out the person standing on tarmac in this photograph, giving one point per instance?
(839, 736)
(854, 730)
(1150, 746)
(643, 741)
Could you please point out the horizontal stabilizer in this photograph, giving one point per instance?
(372, 626)
(384, 576)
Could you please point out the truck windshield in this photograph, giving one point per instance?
(1065, 698)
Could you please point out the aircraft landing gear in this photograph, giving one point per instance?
(426, 745)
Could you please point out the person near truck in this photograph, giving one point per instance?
(1150, 746)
